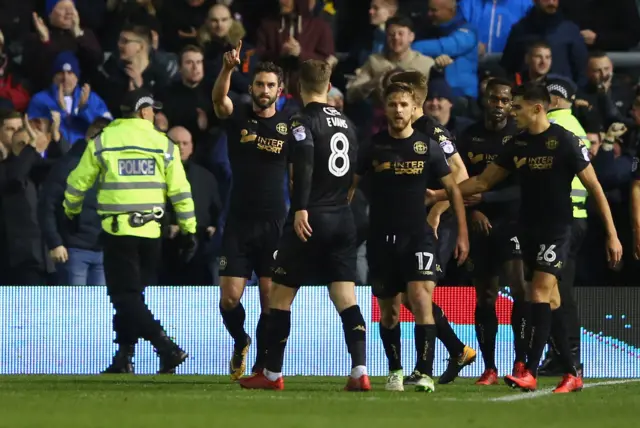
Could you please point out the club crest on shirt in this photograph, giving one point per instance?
(223, 263)
(420, 147)
(281, 128)
(551, 144)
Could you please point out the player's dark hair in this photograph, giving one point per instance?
(533, 92)
(498, 81)
(598, 55)
(139, 30)
(268, 67)
(395, 88)
(540, 44)
(400, 21)
(416, 79)
(190, 48)
(315, 76)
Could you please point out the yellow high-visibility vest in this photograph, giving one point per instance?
(136, 172)
(568, 121)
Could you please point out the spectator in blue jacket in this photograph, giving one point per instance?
(493, 20)
(78, 106)
(545, 22)
(76, 250)
(455, 43)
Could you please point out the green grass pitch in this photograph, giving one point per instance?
(307, 402)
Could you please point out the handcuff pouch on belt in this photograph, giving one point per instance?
(136, 218)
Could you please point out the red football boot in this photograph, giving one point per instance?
(525, 381)
(260, 381)
(518, 369)
(360, 384)
(489, 377)
(569, 383)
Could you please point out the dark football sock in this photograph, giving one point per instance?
(278, 329)
(233, 320)
(540, 329)
(425, 337)
(355, 334)
(486, 332)
(261, 339)
(521, 325)
(445, 333)
(392, 346)
(560, 342)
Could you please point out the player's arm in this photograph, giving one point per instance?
(460, 174)
(222, 104)
(81, 180)
(363, 165)
(579, 162)
(492, 175)
(588, 178)
(302, 156)
(635, 216)
(455, 198)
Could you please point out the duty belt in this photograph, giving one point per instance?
(136, 218)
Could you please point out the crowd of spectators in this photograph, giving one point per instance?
(65, 65)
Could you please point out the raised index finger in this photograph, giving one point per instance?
(239, 46)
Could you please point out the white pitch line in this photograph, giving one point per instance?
(549, 391)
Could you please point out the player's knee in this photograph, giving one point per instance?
(281, 297)
(555, 300)
(486, 295)
(231, 290)
(542, 287)
(342, 295)
(390, 316)
(265, 291)
(420, 296)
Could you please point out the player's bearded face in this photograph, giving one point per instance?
(399, 110)
(264, 90)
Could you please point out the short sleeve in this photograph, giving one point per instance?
(445, 140)
(578, 153)
(438, 165)
(365, 158)
(300, 132)
(508, 158)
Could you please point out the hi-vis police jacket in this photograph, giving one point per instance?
(136, 171)
(568, 121)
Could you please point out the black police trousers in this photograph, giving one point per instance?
(130, 264)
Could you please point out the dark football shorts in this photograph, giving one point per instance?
(329, 255)
(395, 260)
(248, 246)
(489, 253)
(447, 240)
(545, 250)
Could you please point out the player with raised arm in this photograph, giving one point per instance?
(258, 152)
(546, 157)
(401, 246)
(318, 244)
(443, 220)
(493, 217)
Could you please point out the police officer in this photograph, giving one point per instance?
(138, 168)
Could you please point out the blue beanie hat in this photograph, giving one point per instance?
(66, 61)
(439, 88)
(50, 4)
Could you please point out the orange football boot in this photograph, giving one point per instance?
(569, 383)
(360, 384)
(260, 381)
(489, 377)
(525, 381)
